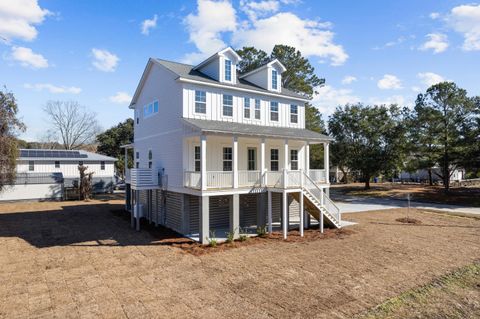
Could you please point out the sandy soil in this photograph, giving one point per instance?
(72, 260)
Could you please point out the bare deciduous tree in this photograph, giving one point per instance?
(73, 124)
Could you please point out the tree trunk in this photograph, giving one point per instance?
(367, 182)
(430, 178)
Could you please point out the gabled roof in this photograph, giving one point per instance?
(61, 155)
(220, 127)
(266, 65)
(217, 54)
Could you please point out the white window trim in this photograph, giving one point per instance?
(195, 102)
(222, 105)
(232, 66)
(290, 114)
(153, 110)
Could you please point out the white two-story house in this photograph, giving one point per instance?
(218, 151)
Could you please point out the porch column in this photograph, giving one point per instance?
(326, 162)
(125, 166)
(204, 220)
(284, 214)
(235, 162)
(307, 159)
(203, 161)
(321, 221)
(285, 159)
(235, 215)
(269, 212)
(302, 213)
(263, 181)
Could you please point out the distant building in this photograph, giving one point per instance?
(45, 174)
(421, 175)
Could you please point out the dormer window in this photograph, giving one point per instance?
(228, 70)
(274, 80)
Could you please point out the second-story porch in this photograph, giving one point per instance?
(232, 156)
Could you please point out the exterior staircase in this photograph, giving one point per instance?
(317, 203)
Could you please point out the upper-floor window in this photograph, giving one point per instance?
(227, 159)
(227, 105)
(257, 109)
(246, 107)
(200, 102)
(102, 165)
(274, 80)
(293, 113)
(150, 109)
(197, 158)
(137, 155)
(294, 160)
(136, 116)
(31, 165)
(274, 111)
(57, 164)
(228, 70)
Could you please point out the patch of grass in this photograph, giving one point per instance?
(212, 240)
(467, 277)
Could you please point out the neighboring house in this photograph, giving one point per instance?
(421, 175)
(44, 174)
(234, 150)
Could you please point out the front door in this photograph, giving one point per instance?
(252, 159)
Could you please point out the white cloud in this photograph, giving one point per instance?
(255, 9)
(18, 19)
(53, 88)
(263, 29)
(308, 36)
(328, 98)
(416, 89)
(28, 58)
(434, 15)
(349, 79)
(429, 78)
(389, 82)
(104, 60)
(120, 98)
(206, 26)
(149, 24)
(465, 19)
(395, 99)
(437, 42)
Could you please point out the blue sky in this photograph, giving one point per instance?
(368, 51)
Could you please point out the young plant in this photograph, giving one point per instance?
(231, 236)
(243, 235)
(261, 231)
(212, 240)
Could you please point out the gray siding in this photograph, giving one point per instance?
(219, 212)
(174, 211)
(194, 213)
(248, 210)
(276, 207)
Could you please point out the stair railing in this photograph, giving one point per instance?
(323, 198)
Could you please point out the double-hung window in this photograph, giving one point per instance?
(274, 159)
(246, 107)
(227, 105)
(102, 165)
(228, 70)
(57, 164)
(252, 159)
(293, 113)
(274, 80)
(257, 109)
(274, 111)
(293, 160)
(200, 102)
(227, 159)
(197, 158)
(31, 165)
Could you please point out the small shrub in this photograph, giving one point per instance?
(231, 236)
(212, 240)
(243, 235)
(262, 231)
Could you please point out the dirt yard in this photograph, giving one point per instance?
(77, 260)
(463, 196)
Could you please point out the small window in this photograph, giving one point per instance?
(200, 102)
(150, 164)
(252, 159)
(227, 159)
(155, 107)
(136, 116)
(227, 105)
(257, 109)
(294, 160)
(246, 108)
(150, 109)
(274, 111)
(57, 164)
(137, 165)
(293, 113)
(150, 155)
(228, 70)
(274, 80)
(137, 155)
(31, 166)
(102, 165)
(274, 160)
(197, 159)
(80, 163)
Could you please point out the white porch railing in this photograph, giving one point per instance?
(249, 178)
(274, 179)
(293, 178)
(143, 177)
(317, 175)
(192, 179)
(219, 179)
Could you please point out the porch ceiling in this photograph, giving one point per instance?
(220, 127)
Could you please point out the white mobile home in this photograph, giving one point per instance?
(44, 174)
(234, 150)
